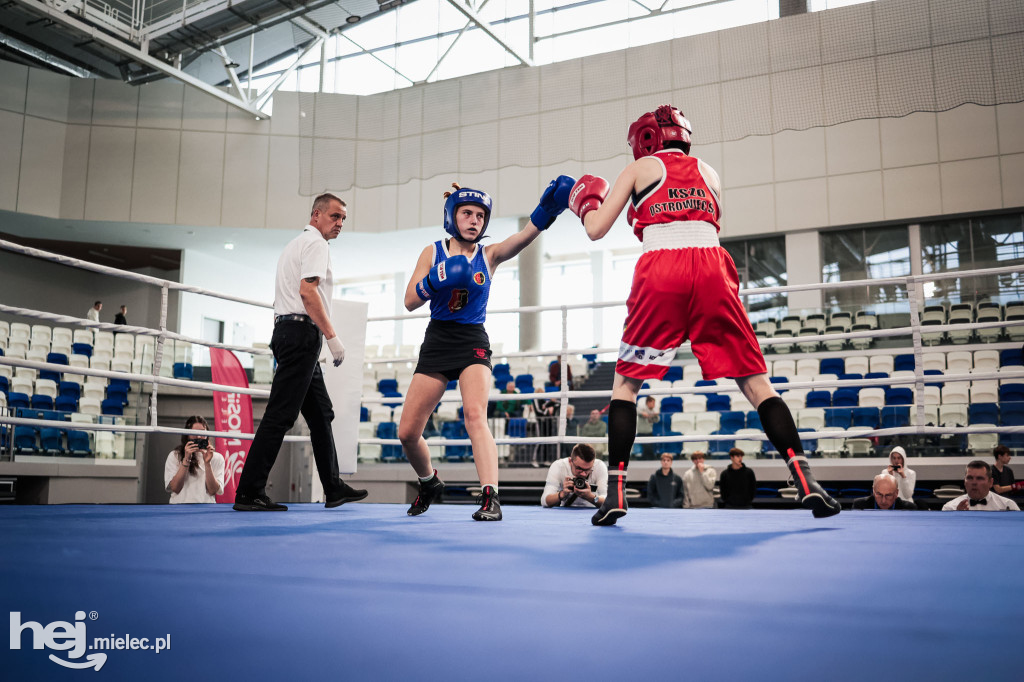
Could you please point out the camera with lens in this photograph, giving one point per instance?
(579, 482)
(201, 443)
(896, 467)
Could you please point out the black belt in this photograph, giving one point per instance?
(294, 318)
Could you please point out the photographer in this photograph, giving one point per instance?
(905, 477)
(571, 478)
(194, 472)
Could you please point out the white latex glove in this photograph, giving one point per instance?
(337, 350)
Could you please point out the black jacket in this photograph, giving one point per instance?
(869, 503)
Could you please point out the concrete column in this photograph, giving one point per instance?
(601, 268)
(531, 268)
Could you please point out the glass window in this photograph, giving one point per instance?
(866, 253)
(761, 263)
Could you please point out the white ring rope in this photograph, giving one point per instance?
(130, 428)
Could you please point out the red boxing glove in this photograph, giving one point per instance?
(587, 194)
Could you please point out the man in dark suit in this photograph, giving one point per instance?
(886, 496)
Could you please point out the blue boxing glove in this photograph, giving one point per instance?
(553, 201)
(451, 273)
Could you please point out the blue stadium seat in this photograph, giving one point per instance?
(934, 372)
(1010, 356)
(524, 383)
(183, 370)
(5, 386)
(57, 358)
(766, 492)
(903, 363)
(1012, 414)
(895, 416)
(899, 396)
(516, 427)
(719, 402)
(69, 389)
(455, 430)
(387, 385)
(1011, 393)
(865, 416)
(66, 404)
(41, 402)
(112, 406)
(671, 404)
(392, 394)
(779, 380)
(453, 384)
(660, 427)
(82, 349)
(810, 444)
(819, 399)
(705, 382)
(78, 443)
(502, 368)
(117, 392)
(50, 440)
(721, 446)
(754, 420)
(25, 438)
(674, 373)
(675, 448)
(15, 400)
(846, 397)
(364, 413)
(389, 430)
(983, 413)
(878, 375)
(731, 422)
(832, 366)
(839, 416)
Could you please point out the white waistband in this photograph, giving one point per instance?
(683, 235)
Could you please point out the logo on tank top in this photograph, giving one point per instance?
(478, 277)
(684, 199)
(480, 353)
(458, 301)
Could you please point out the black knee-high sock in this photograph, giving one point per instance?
(621, 432)
(779, 426)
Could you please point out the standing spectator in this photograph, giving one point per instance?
(646, 417)
(194, 472)
(979, 497)
(94, 311)
(1002, 475)
(555, 374)
(579, 480)
(699, 484)
(509, 409)
(595, 428)
(738, 483)
(904, 475)
(884, 495)
(665, 488)
(572, 427)
(121, 318)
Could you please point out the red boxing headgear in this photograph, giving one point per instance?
(650, 132)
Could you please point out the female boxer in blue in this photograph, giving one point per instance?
(454, 276)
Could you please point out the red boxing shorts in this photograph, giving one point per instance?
(687, 293)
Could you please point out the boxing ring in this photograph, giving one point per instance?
(365, 592)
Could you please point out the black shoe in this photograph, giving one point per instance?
(342, 494)
(614, 506)
(808, 492)
(256, 503)
(490, 508)
(430, 492)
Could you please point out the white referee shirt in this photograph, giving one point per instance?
(305, 256)
(993, 502)
(560, 469)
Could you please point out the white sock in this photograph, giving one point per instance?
(427, 478)
(493, 486)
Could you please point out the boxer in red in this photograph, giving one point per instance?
(684, 287)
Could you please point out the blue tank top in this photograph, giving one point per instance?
(462, 305)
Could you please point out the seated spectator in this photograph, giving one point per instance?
(699, 484)
(509, 409)
(665, 487)
(572, 428)
(194, 472)
(646, 417)
(885, 495)
(738, 485)
(572, 480)
(904, 475)
(1002, 475)
(979, 497)
(595, 428)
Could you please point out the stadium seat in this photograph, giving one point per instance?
(832, 366)
(1010, 357)
(78, 443)
(182, 370)
(903, 362)
(865, 417)
(51, 441)
(839, 417)
(688, 403)
(818, 399)
(729, 422)
(846, 397)
(754, 420)
(389, 430)
(1011, 393)
(894, 416)
(674, 373)
(899, 396)
(112, 406)
(718, 402)
(983, 413)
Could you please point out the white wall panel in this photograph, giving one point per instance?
(711, 154)
(1012, 173)
(441, 106)
(410, 150)
(478, 147)
(200, 178)
(389, 161)
(285, 118)
(743, 52)
(202, 112)
(40, 182)
(797, 98)
(909, 141)
(243, 203)
(795, 42)
(11, 128)
(912, 192)
(519, 141)
(953, 21)
(855, 198)
(478, 98)
(1005, 16)
(905, 83)
(75, 172)
(441, 152)
(13, 87)
(239, 121)
(336, 161)
(799, 154)
(963, 73)
(367, 163)
(746, 107)
(748, 161)
(853, 147)
(335, 116)
(155, 181)
(410, 119)
(846, 33)
(409, 201)
(603, 133)
(161, 104)
(967, 132)
(370, 123)
(695, 61)
(748, 211)
(801, 204)
(1010, 124)
(646, 69)
(520, 92)
(115, 104)
(561, 85)
(972, 185)
(80, 95)
(47, 95)
(108, 190)
(519, 189)
(702, 106)
(850, 91)
(432, 200)
(603, 77)
(898, 26)
(1008, 64)
(560, 137)
(372, 209)
(286, 208)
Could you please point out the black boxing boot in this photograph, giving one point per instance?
(614, 505)
(490, 508)
(809, 493)
(430, 491)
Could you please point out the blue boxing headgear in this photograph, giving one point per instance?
(466, 196)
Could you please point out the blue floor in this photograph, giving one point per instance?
(365, 593)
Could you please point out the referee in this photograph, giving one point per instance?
(302, 301)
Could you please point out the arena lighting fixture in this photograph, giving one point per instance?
(353, 19)
(229, 246)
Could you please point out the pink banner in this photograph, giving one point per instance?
(232, 412)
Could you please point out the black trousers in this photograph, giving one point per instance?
(298, 387)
